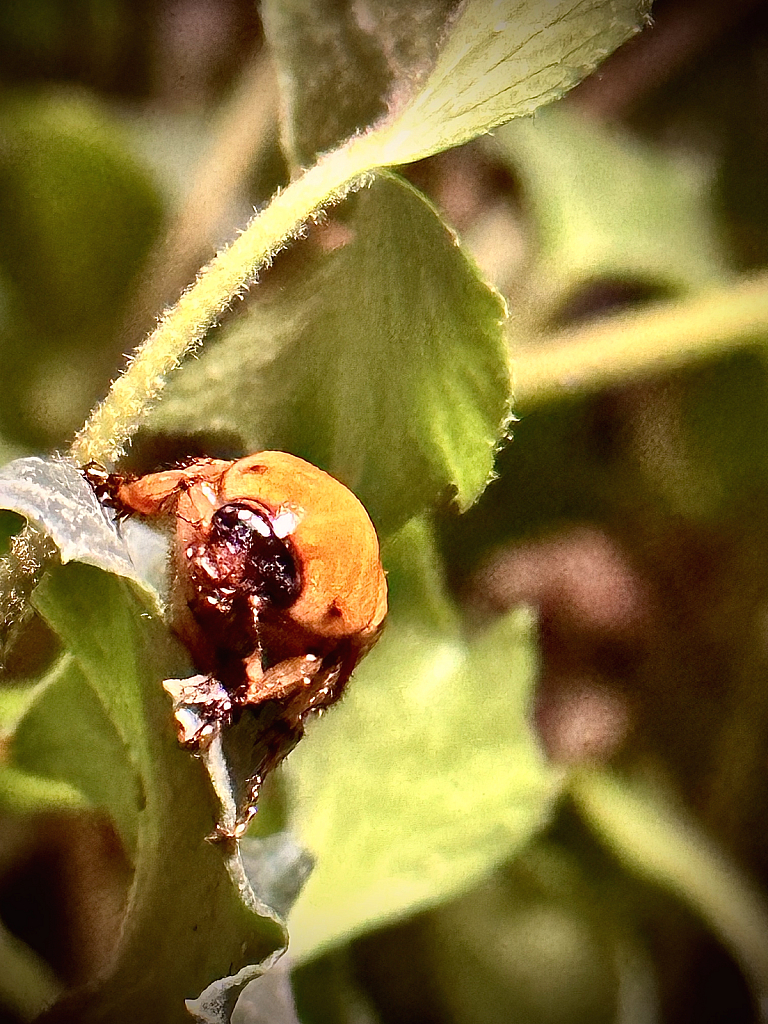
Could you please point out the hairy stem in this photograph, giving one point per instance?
(183, 327)
(20, 572)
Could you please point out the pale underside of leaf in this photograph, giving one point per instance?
(338, 62)
(502, 59)
(53, 493)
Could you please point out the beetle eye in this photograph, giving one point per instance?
(243, 536)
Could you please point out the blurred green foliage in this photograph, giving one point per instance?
(468, 869)
(78, 215)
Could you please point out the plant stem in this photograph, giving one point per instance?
(660, 843)
(28, 983)
(647, 341)
(20, 572)
(182, 328)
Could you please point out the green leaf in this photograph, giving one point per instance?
(15, 699)
(37, 734)
(426, 775)
(77, 212)
(277, 867)
(445, 72)
(501, 59)
(473, 86)
(190, 917)
(85, 735)
(382, 361)
(66, 736)
(514, 949)
(24, 792)
(605, 205)
(337, 63)
(77, 216)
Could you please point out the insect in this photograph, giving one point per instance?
(277, 587)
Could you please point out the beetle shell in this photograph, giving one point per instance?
(344, 591)
(341, 596)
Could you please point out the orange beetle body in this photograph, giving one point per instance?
(344, 593)
(277, 584)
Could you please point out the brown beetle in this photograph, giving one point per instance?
(277, 586)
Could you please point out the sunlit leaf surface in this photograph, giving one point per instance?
(382, 361)
(428, 774)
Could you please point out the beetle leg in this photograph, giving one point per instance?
(287, 679)
(154, 494)
(302, 684)
(201, 706)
